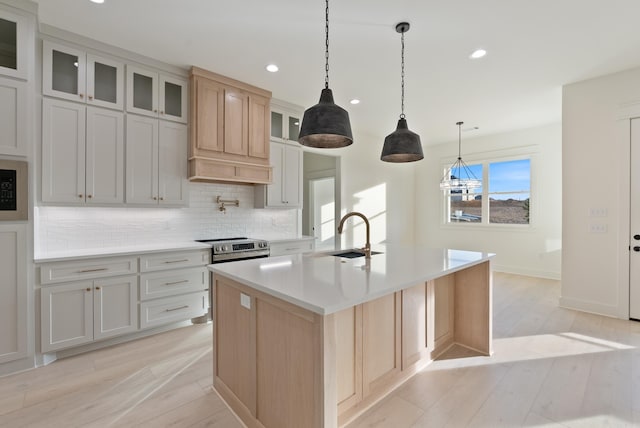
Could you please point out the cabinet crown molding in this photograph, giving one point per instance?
(197, 71)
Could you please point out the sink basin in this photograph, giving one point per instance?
(352, 254)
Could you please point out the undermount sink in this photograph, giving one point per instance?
(353, 254)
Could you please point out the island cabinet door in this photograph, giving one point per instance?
(381, 342)
(349, 357)
(417, 324)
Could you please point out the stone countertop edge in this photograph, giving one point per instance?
(129, 250)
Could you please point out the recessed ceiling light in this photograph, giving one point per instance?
(355, 101)
(97, 1)
(272, 68)
(478, 53)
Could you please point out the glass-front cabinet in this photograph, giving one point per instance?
(285, 122)
(155, 94)
(14, 30)
(75, 75)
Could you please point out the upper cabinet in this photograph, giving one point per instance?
(155, 94)
(16, 44)
(285, 122)
(75, 75)
(230, 126)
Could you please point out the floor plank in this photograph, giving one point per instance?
(551, 367)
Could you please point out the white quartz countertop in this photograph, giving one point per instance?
(326, 284)
(87, 253)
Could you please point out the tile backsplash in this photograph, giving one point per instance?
(68, 228)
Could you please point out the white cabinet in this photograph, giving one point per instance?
(75, 75)
(84, 311)
(13, 116)
(16, 44)
(285, 191)
(13, 292)
(82, 154)
(156, 157)
(285, 121)
(156, 94)
(284, 247)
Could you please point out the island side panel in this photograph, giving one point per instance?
(473, 293)
(348, 354)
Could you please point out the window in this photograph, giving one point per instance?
(505, 200)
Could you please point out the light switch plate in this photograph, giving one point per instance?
(245, 301)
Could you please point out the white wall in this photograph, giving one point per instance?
(533, 250)
(382, 191)
(63, 228)
(596, 144)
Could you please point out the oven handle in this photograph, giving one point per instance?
(244, 255)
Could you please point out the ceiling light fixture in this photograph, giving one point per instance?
(97, 1)
(478, 53)
(459, 176)
(402, 145)
(326, 125)
(272, 68)
(355, 101)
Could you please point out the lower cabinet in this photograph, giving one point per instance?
(172, 309)
(81, 312)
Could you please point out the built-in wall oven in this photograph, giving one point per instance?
(230, 250)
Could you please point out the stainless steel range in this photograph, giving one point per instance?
(233, 249)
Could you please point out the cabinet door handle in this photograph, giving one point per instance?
(155, 111)
(97, 288)
(81, 96)
(92, 270)
(89, 196)
(155, 198)
(161, 112)
(176, 261)
(162, 198)
(176, 309)
(88, 289)
(176, 282)
(80, 195)
(90, 97)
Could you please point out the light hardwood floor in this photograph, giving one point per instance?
(551, 367)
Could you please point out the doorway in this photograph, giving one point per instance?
(321, 204)
(634, 224)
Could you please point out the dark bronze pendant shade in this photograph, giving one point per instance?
(325, 125)
(402, 145)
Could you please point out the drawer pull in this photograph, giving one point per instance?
(177, 261)
(177, 309)
(92, 270)
(176, 282)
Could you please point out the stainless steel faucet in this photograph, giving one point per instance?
(367, 246)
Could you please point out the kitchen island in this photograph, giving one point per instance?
(313, 339)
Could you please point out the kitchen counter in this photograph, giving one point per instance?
(325, 284)
(87, 253)
(314, 340)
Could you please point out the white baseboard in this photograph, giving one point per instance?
(526, 272)
(591, 307)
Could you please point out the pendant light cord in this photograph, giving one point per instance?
(326, 43)
(459, 140)
(402, 75)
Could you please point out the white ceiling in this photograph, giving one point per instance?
(534, 47)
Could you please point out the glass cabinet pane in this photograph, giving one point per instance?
(276, 124)
(172, 99)
(105, 82)
(8, 44)
(294, 128)
(142, 92)
(64, 72)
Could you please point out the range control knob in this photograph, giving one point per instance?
(219, 248)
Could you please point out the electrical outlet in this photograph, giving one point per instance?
(597, 212)
(597, 228)
(245, 301)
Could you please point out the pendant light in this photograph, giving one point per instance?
(459, 176)
(325, 125)
(402, 145)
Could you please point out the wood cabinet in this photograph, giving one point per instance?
(285, 191)
(13, 292)
(156, 162)
(229, 130)
(82, 154)
(156, 94)
(81, 312)
(72, 74)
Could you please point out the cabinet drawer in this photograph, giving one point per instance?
(291, 247)
(171, 309)
(164, 284)
(51, 273)
(173, 260)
